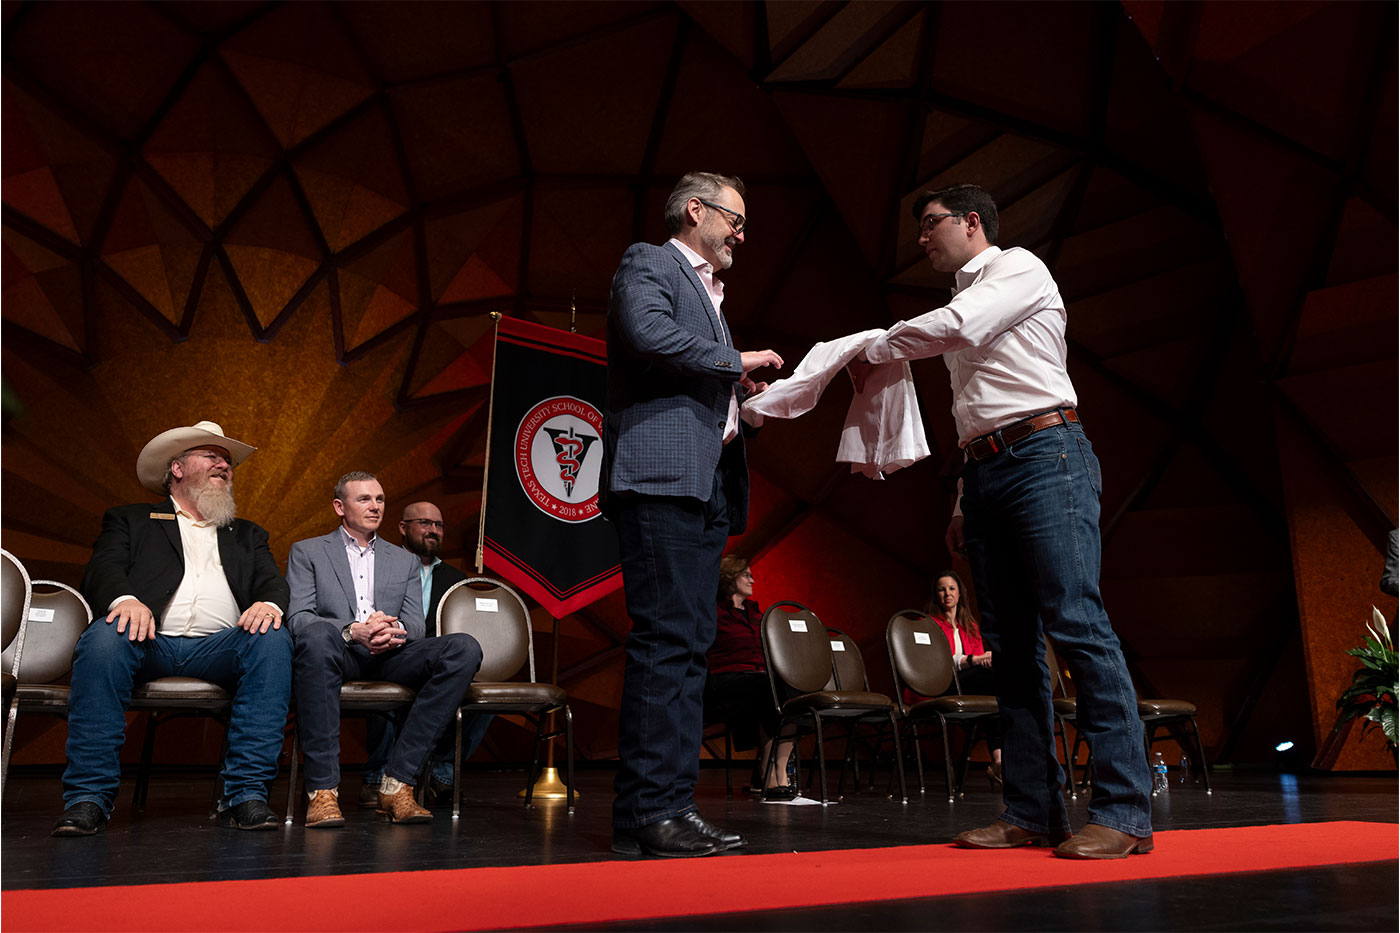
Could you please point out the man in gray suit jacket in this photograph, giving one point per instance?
(675, 483)
(357, 614)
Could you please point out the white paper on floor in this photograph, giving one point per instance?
(801, 802)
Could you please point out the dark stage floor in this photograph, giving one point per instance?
(173, 840)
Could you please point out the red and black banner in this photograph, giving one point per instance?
(544, 532)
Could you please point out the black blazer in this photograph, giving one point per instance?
(444, 575)
(140, 554)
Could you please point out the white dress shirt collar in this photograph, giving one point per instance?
(350, 541)
(974, 265)
(698, 262)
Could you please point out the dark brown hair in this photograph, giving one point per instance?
(963, 616)
(963, 199)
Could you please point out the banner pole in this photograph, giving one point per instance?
(486, 468)
(549, 787)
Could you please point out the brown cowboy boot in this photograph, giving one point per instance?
(400, 807)
(323, 811)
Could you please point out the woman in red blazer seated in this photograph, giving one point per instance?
(973, 661)
(737, 691)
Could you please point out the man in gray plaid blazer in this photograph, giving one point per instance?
(675, 483)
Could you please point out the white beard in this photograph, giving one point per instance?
(215, 503)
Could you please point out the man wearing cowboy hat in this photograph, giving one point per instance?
(182, 588)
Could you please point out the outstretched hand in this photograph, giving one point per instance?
(757, 359)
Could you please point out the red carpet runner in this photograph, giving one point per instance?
(599, 892)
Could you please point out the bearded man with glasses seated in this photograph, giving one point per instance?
(181, 588)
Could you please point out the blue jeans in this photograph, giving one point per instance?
(1031, 519)
(670, 549)
(256, 669)
(380, 733)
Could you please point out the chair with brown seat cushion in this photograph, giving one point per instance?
(48, 661)
(1066, 712)
(849, 673)
(168, 698)
(922, 661)
(361, 698)
(15, 589)
(57, 615)
(797, 651)
(495, 615)
(1155, 714)
(716, 728)
(1163, 713)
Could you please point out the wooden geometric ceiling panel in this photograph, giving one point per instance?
(302, 214)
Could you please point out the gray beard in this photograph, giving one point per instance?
(216, 504)
(716, 245)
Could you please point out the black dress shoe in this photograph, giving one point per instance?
(724, 838)
(673, 838)
(250, 814)
(84, 818)
(781, 792)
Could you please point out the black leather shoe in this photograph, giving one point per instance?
(673, 838)
(781, 792)
(84, 818)
(369, 796)
(724, 838)
(250, 814)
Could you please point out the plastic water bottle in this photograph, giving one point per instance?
(1160, 784)
(1185, 764)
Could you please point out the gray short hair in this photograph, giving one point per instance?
(696, 185)
(169, 478)
(354, 476)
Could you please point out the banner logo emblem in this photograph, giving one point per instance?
(557, 459)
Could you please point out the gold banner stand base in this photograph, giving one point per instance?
(549, 787)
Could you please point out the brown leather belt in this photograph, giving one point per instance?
(981, 448)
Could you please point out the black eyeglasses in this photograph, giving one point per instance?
(924, 222)
(737, 222)
(423, 522)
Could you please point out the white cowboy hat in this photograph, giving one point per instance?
(160, 450)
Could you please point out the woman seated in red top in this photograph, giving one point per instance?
(970, 657)
(737, 691)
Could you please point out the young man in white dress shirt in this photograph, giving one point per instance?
(1028, 519)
